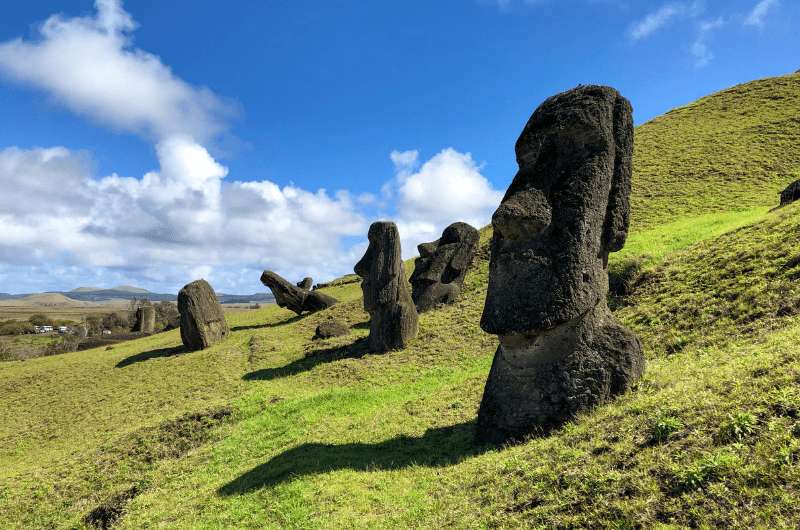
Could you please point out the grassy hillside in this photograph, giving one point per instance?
(271, 429)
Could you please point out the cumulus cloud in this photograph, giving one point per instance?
(662, 16)
(446, 188)
(759, 13)
(89, 65)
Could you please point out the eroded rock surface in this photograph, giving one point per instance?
(561, 350)
(295, 298)
(387, 298)
(202, 320)
(440, 269)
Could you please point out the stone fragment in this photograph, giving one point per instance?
(561, 349)
(294, 298)
(333, 328)
(440, 269)
(202, 320)
(393, 317)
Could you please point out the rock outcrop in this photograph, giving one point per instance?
(791, 193)
(393, 317)
(306, 283)
(440, 269)
(202, 320)
(333, 328)
(295, 298)
(561, 350)
(145, 319)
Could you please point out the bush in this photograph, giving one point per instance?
(68, 343)
(15, 327)
(40, 320)
(736, 427)
(167, 316)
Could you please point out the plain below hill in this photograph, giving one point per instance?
(271, 429)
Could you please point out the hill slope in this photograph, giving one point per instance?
(271, 429)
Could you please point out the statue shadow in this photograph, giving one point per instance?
(356, 350)
(439, 447)
(152, 354)
(269, 325)
(361, 325)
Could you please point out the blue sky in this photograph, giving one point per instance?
(155, 142)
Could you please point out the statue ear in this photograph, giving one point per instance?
(618, 210)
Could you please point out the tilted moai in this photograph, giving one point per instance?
(561, 350)
(202, 320)
(440, 269)
(393, 317)
(306, 283)
(145, 319)
(296, 298)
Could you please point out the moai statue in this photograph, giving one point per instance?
(306, 283)
(145, 319)
(294, 298)
(440, 269)
(791, 193)
(393, 317)
(202, 320)
(561, 350)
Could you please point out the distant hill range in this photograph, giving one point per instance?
(127, 292)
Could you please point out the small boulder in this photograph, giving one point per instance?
(294, 298)
(791, 193)
(333, 328)
(202, 320)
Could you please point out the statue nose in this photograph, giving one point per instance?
(522, 216)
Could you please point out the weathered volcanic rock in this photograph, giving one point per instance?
(202, 320)
(791, 193)
(145, 319)
(440, 269)
(561, 350)
(393, 317)
(306, 283)
(334, 328)
(294, 298)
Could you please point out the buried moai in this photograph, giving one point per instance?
(202, 320)
(145, 319)
(440, 269)
(393, 317)
(561, 350)
(295, 298)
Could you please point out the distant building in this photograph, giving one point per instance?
(106, 332)
(63, 329)
(43, 329)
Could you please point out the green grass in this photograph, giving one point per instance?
(270, 429)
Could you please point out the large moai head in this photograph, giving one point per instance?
(393, 317)
(565, 210)
(440, 269)
(381, 268)
(202, 320)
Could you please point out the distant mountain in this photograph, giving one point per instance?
(127, 292)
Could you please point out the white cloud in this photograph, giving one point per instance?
(699, 48)
(89, 65)
(759, 12)
(447, 188)
(662, 16)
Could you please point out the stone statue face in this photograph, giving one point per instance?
(444, 261)
(381, 266)
(565, 210)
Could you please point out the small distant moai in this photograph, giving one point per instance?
(295, 298)
(440, 269)
(791, 193)
(561, 350)
(202, 320)
(393, 317)
(145, 319)
(306, 283)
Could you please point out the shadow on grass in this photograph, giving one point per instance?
(269, 325)
(356, 350)
(438, 447)
(361, 325)
(152, 354)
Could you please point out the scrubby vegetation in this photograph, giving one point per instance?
(271, 429)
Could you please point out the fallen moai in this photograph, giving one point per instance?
(306, 283)
(393, 317)
(202, 320)
(440, 269)
(295, 298)
(561, 350)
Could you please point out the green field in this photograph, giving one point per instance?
(270, 429)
